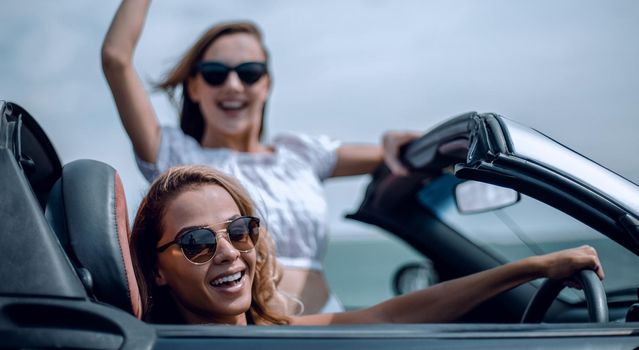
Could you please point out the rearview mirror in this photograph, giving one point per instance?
(476, 197)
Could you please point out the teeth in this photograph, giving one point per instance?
(230, 278)
(232, 104)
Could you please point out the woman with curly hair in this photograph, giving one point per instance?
(195, 204)
(201, 257)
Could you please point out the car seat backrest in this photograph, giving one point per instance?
(87, 210)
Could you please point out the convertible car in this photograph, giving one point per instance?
(483, 190)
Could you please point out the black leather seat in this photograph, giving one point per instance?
(87, 210)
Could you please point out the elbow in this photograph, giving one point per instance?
(114, 59)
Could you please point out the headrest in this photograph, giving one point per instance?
(87, 210)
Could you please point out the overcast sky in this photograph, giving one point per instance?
(349, 69)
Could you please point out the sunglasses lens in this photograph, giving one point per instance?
(244, 232)
(198, 245)
(214, 73)
(251, 72)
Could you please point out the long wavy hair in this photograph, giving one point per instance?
(191, 118)
(158, 306)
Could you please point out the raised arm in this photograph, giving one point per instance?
(449, 300)
(132, 101)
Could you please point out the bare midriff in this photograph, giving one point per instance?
(309, 286)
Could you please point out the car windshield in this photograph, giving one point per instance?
(533, 145)
(531, 227)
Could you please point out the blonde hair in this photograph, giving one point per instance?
(157, 304)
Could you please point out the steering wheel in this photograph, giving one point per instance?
(549, 290)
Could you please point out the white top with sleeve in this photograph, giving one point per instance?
(285, 186)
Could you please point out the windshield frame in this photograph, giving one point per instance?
(532, 145)
(501, 165)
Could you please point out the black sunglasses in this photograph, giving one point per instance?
(200, 243)
(215, 73)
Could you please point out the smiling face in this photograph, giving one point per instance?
(201, 292)
(232, 109)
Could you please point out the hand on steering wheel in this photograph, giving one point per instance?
(549, 290)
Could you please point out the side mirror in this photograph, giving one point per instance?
(476, 197)
(414, 276)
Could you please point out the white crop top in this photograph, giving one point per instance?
(286, 186)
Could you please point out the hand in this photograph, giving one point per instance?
(392, 142)
(565, 263)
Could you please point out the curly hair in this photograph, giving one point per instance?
(191, 119)
(158, 305)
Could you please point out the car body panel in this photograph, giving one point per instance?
(46, 268)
